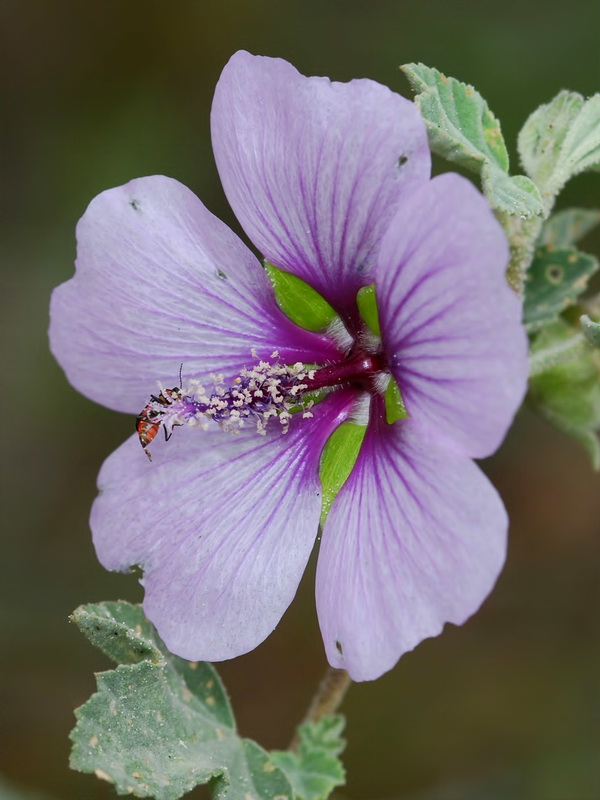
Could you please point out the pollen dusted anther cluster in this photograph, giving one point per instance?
(266, 390)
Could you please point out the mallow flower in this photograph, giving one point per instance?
(416, 357)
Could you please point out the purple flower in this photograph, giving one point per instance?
(331, 182)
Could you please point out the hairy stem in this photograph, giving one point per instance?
(334, 685)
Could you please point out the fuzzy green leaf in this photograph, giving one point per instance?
(299, 301)
(120, 630)
(314, 770)
(461, 125)
(123, 633)
(567, 393)
(337, 460)
(554, 281)
(159, 726)
(560, 140)
(591, 330)
(555, 353)
(462, 129)
(567, 227)
(513, 194)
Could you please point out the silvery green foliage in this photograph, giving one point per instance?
(462, 129)
(564, 366)
(567, 392)
(159, 725)
(315, 769)
(560, 140)
(556, 278)
(591, 330)
(566, 227)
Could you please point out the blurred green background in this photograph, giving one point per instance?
(97, 92)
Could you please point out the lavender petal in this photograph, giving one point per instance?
(451, 326)
(221, 524)
(314, 169)
(415, 538)
(161, 282)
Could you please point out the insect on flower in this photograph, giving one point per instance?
(148, 422)
(332, 184)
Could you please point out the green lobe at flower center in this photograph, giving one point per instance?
(337, 461)
(299, 301)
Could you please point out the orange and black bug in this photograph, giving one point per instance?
(148, 423)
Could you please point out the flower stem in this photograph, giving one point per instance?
(334, 685)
